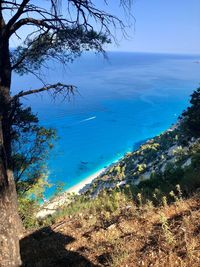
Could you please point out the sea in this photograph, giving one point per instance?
(121, 100)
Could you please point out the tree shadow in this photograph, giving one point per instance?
(47, 248)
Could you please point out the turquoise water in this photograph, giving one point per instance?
(123, 100)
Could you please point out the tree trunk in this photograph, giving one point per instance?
(10, 223)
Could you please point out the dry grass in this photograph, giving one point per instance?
(144, 236)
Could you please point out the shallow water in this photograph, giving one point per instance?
(123, 100)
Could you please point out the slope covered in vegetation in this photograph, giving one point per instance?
(143, 211)
(113, 230)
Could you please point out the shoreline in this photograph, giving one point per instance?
(78, 187)
(51, 206)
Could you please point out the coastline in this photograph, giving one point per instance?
(51, 206)
(78, 187)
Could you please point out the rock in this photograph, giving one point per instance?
(112, 226)
(121, 183)
(187, 163)
(145, 176)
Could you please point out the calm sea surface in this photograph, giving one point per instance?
(122, 101)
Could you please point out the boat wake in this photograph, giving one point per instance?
(88, 119)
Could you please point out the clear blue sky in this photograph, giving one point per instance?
(161, 26)
(165, 26)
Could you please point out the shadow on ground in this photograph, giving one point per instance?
(47, 248)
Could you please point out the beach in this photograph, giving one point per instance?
(51, 206)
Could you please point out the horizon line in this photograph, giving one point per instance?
(154, 52)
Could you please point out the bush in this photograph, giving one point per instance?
(191, 117)
(27, 211)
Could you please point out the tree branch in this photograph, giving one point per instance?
(17, 14)
(35, 22)
(58, 89)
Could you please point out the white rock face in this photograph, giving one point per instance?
(44, 213)
(171, 150)
(163, 167)
(136, 182)
(187, 163)
(145, 176)
(122, 183)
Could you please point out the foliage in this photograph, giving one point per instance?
(105, 205)
(62, 31)
(166, 230)
(149, 150)
(30, 148)
(30, 199)
(27, 211)
(191, 117)
(65, 45)
(31, 144)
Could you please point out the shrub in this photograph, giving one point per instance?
(27, 211)
(191, 117)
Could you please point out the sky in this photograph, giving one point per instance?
(169, 26)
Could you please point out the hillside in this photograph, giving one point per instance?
(160, 163)
(170, 157)
(127, 235)
(142, 211)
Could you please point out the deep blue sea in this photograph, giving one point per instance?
(122, 100)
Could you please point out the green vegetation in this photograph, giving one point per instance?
(31, 144)
(157, 191)
(107, 203)
(191, 117)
